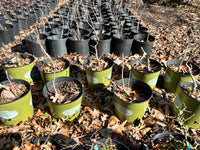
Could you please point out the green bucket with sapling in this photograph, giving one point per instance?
(174, 76)
(98, 78)
(20, 67)
(187, 104)
(19, 108)
(47, 70)
(65, 105)
(144, 72)
(131, 98)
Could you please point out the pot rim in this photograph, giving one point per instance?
(30, 57)
(151, 60)
(198, 69)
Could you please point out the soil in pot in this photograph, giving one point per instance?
(98, 72)
(68, 91)
(15, 102)
(146, 70)
(11, 92)
(48, 67)
(20, 67)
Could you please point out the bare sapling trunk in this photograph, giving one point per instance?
(53, 64)
(185, 54)
(147, 58)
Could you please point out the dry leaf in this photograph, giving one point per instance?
(112, 120)
(157, 115)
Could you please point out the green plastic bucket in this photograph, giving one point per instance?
(18, 110)
(192, 106)
(131, 111)
(25, 72)
(149, 78)
(173, 79)
(49, 76)
(58, 110)
(99, 79)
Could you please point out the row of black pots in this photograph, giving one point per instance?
(83, 45)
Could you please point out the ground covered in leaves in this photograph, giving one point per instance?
(174, 28)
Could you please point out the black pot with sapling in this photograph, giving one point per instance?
(121, 44)
(56, 45)
(33, 46)
(142, 40)
(6, 33)
(102, 43)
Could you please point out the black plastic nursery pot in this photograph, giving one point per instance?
(6, 34)
(131, 111)
(121, 44)
(42, 140)
(79, 46)
(172, 79)
(49, 76)
(170, 140)
(33, 45)
(98, 79)
(56, 45)
(184, 101)
(58, 110)
(23, 23)
(15, 25)
(149, 78)
(102, 43)
(18, 110)
(140, 41)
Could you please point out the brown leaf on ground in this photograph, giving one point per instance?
(157, 115)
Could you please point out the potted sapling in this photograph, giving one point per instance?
(20, 67)
(63, 94)
(146, 69)
(177, 72)
(15, 101)
(188, 97)
(98, 69)
(121, 43)
(131, 98)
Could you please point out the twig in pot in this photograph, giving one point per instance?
(185, 54)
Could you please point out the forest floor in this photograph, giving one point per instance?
(175, 28)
